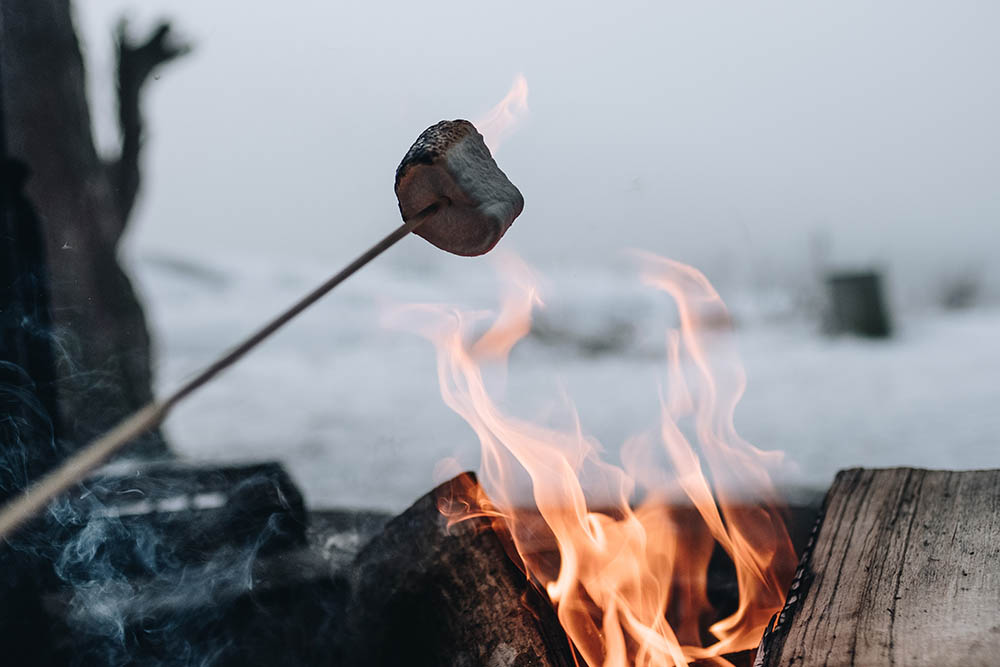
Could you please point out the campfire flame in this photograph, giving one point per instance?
(501, 121)
(623, 550)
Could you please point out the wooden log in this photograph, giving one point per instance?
(428, 594)
(234, 610)
(190, 513)
(903, 569)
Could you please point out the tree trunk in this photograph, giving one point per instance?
(100, 336)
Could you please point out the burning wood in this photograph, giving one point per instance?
(430, 593)
(628, 584)
(902, 570)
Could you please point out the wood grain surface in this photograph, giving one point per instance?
(903, 569)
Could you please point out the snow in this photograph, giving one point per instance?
(353, 409)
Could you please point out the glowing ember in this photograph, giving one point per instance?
(501, 121)
(633, 542)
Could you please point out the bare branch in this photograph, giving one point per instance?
(136, 63)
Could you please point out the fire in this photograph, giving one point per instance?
(501, 121)
(623, 550)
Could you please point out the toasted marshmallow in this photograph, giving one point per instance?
(450, 167)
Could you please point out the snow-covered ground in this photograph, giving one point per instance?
(353, 408)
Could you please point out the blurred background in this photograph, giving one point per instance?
(832, 169)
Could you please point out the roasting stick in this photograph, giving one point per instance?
(75, 468)
(448, 186)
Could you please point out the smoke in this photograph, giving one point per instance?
(148, 563)
(23, 419)
(155, 563)
(131, 594)
(151, 565)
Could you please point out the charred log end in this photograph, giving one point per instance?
(425, 593)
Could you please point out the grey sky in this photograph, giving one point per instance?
(705, 130)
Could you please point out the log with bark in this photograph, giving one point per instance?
(425, 593)
(903, 568)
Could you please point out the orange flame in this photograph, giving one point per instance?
(501, 121)
(628, 579)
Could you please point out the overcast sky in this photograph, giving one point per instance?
(702, 130)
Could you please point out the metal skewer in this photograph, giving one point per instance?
(77, 466)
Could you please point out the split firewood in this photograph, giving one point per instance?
(425, 593)
(903, 569)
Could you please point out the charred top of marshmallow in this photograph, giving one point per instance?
(450, 172)
(433, 143)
